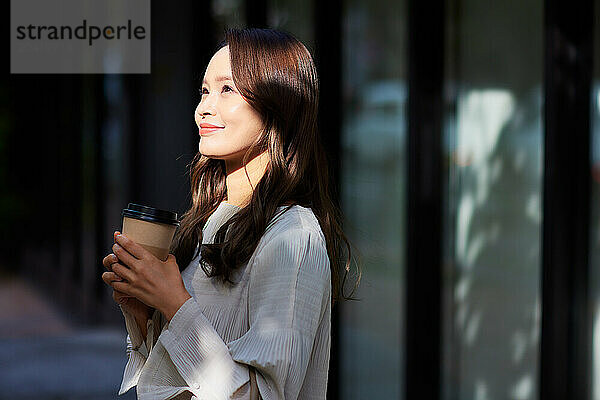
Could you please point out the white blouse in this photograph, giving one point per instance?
(283, 293)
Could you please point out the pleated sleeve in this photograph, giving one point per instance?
(289, 285)
(137, 348)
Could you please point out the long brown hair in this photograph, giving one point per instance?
(276, 75)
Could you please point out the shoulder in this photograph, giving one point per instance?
(294, 237)
(294, 219)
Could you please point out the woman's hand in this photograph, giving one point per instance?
(152, 281)
(140, 311)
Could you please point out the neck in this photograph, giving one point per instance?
(239, 187)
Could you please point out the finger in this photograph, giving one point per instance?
(171, 262)
(132, 247)
(123, 272)
(120, 297)
(109, 260)
(124, 256)
(123, 287)
(110, 277)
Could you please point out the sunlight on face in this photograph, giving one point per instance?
(222, 105)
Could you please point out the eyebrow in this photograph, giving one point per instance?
(219, 79)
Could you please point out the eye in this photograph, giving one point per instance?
(227, 87)
(202, 91)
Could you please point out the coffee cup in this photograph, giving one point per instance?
(151, 228)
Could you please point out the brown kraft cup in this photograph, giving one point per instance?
(151, 228)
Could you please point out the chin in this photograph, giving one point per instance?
(204, 149)
(207, 152)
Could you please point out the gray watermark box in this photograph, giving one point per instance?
(80, 37)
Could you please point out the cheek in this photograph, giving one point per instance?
(235, 110)
(245, 119)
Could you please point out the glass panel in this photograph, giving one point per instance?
(373, 198)
(595, 210)
(227, 14)
(294, 16)
(494, 145)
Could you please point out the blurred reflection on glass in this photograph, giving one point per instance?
(373, 180)
(493, 125)
(227, 14)
(595, 208)
(294, 16)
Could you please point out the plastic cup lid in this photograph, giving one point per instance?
(150, 214)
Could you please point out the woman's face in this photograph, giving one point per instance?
(222, 105)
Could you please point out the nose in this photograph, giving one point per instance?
(206, 106)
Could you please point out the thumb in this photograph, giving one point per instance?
(171, 259)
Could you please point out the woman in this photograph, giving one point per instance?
(254, 299)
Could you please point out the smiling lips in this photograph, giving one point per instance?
(206, 128)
